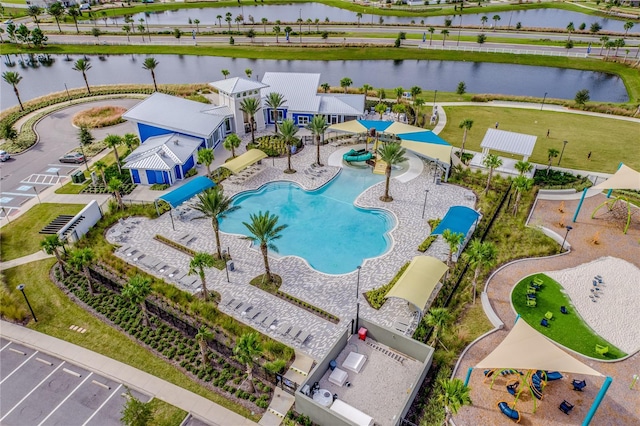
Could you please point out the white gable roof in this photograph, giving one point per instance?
(511, 142)
(178, 114)
(162, 152)
(237, 85)
(300, 90)
(342, 104)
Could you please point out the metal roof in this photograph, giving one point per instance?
(237, 85)
(178, 114)
(162, 152)
(511, 142)
(300, 90)
(342, 104)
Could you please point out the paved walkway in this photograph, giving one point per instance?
(39, 255)
(132, 377)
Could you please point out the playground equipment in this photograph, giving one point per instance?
(509, 412)
(354, 156)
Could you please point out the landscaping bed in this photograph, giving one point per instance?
(98, 117)
(273, 145)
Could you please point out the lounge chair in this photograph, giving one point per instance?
(579, 385)
(532, 303)
(260, 317)
(244, 307)
(509, 412)
(565, 407)
(302, 337)
(268, 321)
(284, 328)
(563, 310)
(548, 315)
(544, 322)
(294, 332)
(229, 302)
(601, 350)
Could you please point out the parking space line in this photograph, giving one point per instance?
(18, 367)
(19, 194)
(67, 397)
(103, 404)
(4, 347)
(32, 390)
(44, 361)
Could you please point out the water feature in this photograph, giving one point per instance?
(480, 77)
(534, 18)
(324, 226)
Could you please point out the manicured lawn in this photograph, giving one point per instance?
(568, 330)
(607, 139)
(21, 237)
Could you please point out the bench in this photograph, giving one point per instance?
(509, 412)
(601, 350)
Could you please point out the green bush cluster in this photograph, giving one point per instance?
(376, 296)
(273, 145)
(309, 307)
(556, 179)
(191, 172)
(427, 243)
(159, 186)
(175, 245)
(299, 419)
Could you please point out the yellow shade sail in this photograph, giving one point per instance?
(243, 161)
(419, 280)
(624, 178)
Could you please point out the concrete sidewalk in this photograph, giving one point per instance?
(39, 255)
(132, 377)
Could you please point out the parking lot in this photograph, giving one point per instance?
(38, 389)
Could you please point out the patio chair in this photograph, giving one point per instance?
(601, 350)
(531, 296)
(532, 303)
(565, 407)
(544, 322)
(284, 328)
(302, 337)
(563, 310)
(548, 315)
(531, 290)
(294, 332)
(579, 385)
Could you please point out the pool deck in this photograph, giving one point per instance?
(332, 293)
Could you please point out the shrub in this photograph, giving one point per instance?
(376, 296)
(427, 243)
(191, 172)
(159, 186)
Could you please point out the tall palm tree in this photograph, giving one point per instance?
(74, 11)
(465, 124)
(418, 104)
(570, 29)
(484, 20)
(325, 87)
(604, 40)
(112, 141)
(205, 156)
(251, 106)
(359, 16)
(232, 142)
(277, 30)
(50, 245)
(523, 167)
(225, 73)
(345, 83)
(150, 64)
(495, 18)
(34, 11)
(479, 255)
(399, 91)
(214, 205)
(454, 395)
(80, 259)
(551, 154)
(415, 91)
(56, 10)
(627, 26)
(137, 290)
(453, 239)
(13, 78)
(288, 130)
(264, 231)
(380, 109)
(197, 265)
(100, 167)
(439, 319)
(264, 22)
(274, 101)
(444, 33)
(365, 89)
(115, 186)
(83, 66)
(491, 161)
(391, 153)
(131, 140)
(521, 184)
(318, 125)
(202, 337)
(431, 31)
(247, 348)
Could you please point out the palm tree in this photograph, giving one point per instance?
(202, 337)
(570, 29)
(495, 18)
(34, 11)
(131, 141)
(359, 16)
(247, 348)
(225, 73)
(365, 89)
(431, 31)
(522, 184)
(13, 78)
(219, 18)
(391, 153)
(604, 40)
(264, 231)
(264, 24)
(439, 319)
(454, 395)
(74, 11)
(137, 290)
(232, 142)
(398, 109)
(56, 10)
(399, 91)
(380, 109)
(325, 87)
(288, 130)
(627, 26)
(479, 255)
(197, 22)
(317, 126)
(80, 259)
(115, 186)
(206, 157)
(454, 239)
(50, 245)
(444, 33)
(274, 101)
(551, 154)
(83, 66)
(127, 30)
(251, 106)
(491, 161)
(415, 91)
(277, 30)
(248, 72)
(418, 104)
(197, 265)
(100, 167)
(465, 124)
(523, 167)
(214, 205)
(345, 83)
(112, 141)
(484, 20)
(150, 64)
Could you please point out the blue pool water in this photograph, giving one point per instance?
(325, 228)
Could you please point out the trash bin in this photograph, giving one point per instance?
(438, 180)
(333, 364)
(78, 177)
(362, 333)
(230, 265)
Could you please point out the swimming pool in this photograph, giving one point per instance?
(325, 228)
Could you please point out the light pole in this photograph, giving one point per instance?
(84, 157)
(564, 144)
(4, 211)
(358, 297)
(37, 195)
(569, 228)
(21, 288)
(544, 98)
(459, 29)
(435, 93)
(426, 192)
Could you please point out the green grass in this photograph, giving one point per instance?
(20, 237)
(73, 188)
(607, 139)
(56, 313)
(165, 414)
(568, 330)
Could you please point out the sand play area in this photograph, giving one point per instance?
(615, 314)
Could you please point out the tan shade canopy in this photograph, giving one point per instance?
(418, 281)
(624, 178)
(526, 349)
(352, 126)
(440, 152)
(243, 161)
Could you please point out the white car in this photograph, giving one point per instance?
(4, 156)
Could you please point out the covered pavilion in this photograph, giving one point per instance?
(245, 160)
(517, 144)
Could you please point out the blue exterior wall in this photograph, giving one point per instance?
(295, 118)
(147, 131)
(187, 166)
(177, 171)
(269, 118)
(135, 176)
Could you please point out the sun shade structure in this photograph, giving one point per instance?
(243, 161)
(624, 178)
(458, 219)
(186, 191)
(511, 142)
(418, 281)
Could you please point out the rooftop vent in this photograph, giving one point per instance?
(176, 142)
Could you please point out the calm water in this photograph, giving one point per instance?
(480, 77)
(324, 227)
(535, 18)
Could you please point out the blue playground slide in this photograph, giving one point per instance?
(360, 155)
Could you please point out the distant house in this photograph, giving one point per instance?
(163, 159)
(231, 93)
(162, 114)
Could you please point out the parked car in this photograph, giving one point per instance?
(73, 157)
(4, 156)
